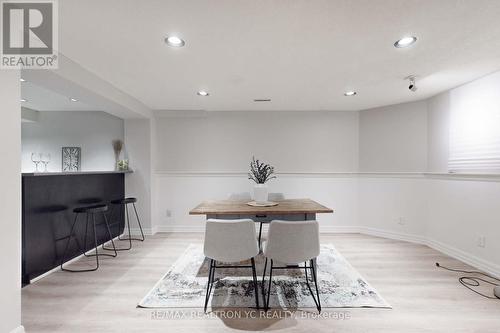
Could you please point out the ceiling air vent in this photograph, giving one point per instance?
(262, 100)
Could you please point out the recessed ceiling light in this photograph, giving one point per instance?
(405, 41)
(22, 80)
(73, 99)
(23, 100)
(174, 41)
(203, 93)
(350, 93)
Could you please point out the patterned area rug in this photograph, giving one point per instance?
(184, 285)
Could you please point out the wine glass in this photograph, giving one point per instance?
(45, 159)
(35, 160)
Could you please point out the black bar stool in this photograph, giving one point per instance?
(125, 202)
(90, 211)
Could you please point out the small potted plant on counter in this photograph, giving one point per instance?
(121, 163)
(260, 173)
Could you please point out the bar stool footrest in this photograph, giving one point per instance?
(117, 249)
(128, 239)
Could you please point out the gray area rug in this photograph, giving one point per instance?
(184, 285)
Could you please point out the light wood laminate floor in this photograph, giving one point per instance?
(424, 298)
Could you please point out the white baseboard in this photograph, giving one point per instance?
(392, 235)
(481, 264)
(19, 329)
(137, 231)
(339, 229)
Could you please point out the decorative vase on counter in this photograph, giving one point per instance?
(260, 173)
(120, 162)
(260, 193)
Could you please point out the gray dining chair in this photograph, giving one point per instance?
(240, 196)
(230, 242)
(275, 196)
(292, 243)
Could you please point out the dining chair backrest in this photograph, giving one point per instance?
(230, 240)
(292, 242)
(275, 196)
(240, 196)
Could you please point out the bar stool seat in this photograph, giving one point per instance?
(124, 201)
(90, 211)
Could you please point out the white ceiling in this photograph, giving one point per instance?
(301, 54)
(42, 99)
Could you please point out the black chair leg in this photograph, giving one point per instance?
(209, 284)
(313, 271)
(129, 241)
(122, 217)
(68, 242)
(260, 235)
(139, 222)
(97, 254)
(95, 246)
(128, 227)
(263, 283)
(313, 265)
(110, 235)
(269, 286)
(95, 243)
(85, 237)
(130, 238)
(256, 288)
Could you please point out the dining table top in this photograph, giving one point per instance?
(287, 206)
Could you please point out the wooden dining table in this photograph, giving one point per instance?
(287, 210)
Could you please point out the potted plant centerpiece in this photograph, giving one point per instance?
(121, 162)
(260, 173)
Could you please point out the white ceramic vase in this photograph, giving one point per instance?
(260, 193)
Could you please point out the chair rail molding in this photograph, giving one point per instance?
(339, 174)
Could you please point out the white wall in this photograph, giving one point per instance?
(397, 193)
(393, 138)
(395, 204)
(139, 183)
(461, 211)
(92, 131)
(10, 202)
(438, 132)
(291, 141)
(207, 157)
(180, 193)
(449, 212)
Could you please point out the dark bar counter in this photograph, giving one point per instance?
(48, 200)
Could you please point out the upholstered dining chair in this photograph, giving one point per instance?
(292, 243)
(230, 242)
(240, 196)
(275, 196)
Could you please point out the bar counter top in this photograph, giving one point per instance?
(37, 174)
